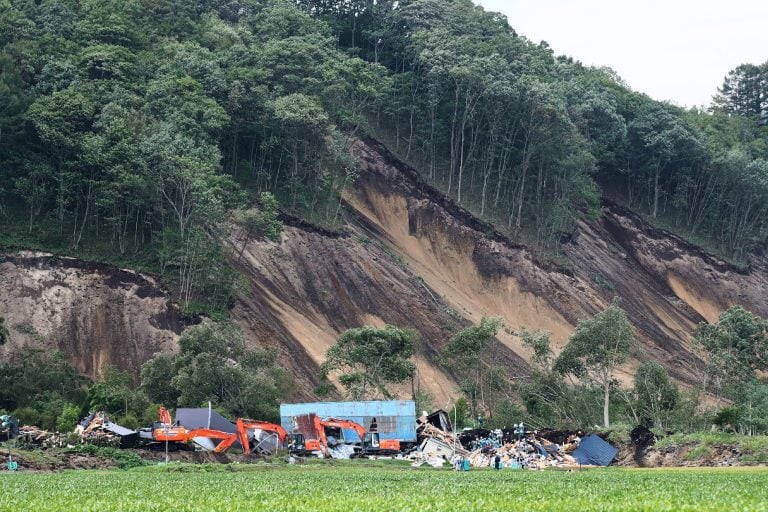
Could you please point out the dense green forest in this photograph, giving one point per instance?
(132, 130)
(213, 364)
(142, 131)
(528, 139)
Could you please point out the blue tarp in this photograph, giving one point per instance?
(593, 451)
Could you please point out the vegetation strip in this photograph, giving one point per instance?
(344, 487)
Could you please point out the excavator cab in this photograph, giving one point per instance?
(373, 444)
(297, 441)
(334, 436)
(371, 440)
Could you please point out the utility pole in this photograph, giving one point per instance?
(167, 459)
(454, 428)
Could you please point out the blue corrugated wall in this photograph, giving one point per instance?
(396, 419)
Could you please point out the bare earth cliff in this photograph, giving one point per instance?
(406, 256)
(97, 315)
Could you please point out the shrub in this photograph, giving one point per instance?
(67, 420)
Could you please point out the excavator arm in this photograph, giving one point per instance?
(335, 423)
(165, 416)
(227, 439)
(320, 431)
(179, 434)
(244, 425)
(369, 442)
(348, 424)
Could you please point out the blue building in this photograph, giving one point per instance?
(393, 419)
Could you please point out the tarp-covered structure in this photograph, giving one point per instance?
(594, 451)
(202, 417)
(192, 418)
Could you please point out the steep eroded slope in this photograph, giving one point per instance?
(408, 256)
(97, 315)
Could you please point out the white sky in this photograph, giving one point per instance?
(677, 50)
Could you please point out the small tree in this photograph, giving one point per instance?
(539, 342)
(214, 364)
(547, 397)
(67, 420)
(262, 222)
(464, 353)
(736, 347)
(751, 400)
(367, 359)
(656, 394)
(598, 346)
(114, 393)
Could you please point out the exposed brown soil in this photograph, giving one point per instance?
(412, 257)
(310, 287)
(96, 314)
(55, 460)
(690, 454)
(408, 256)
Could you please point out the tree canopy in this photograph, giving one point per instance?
(597, 347)
(466, 353)
(736, 347)
(130, 131)
(367, 359)
(214, 364)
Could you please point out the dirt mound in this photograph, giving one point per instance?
(55, 460)
(688, 454)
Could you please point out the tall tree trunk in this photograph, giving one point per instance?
(526, 164)
(432, 142)
(486, 174)
(453, 138)
(461, 157)
(656, 190)
(85, 216)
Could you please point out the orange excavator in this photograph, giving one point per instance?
(244, 426)
(371, 443)
(167, 431)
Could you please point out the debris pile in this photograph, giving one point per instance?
(97, 429)
(32, 436)
(529, 451)
(514, 449)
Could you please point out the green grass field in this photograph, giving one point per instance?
(346, 488)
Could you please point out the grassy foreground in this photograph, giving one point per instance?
(350, 489)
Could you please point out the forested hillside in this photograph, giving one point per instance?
(174, 136)
(528, 139)
(131, 130)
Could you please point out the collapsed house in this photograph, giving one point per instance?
(98, 429)
(510, 449)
